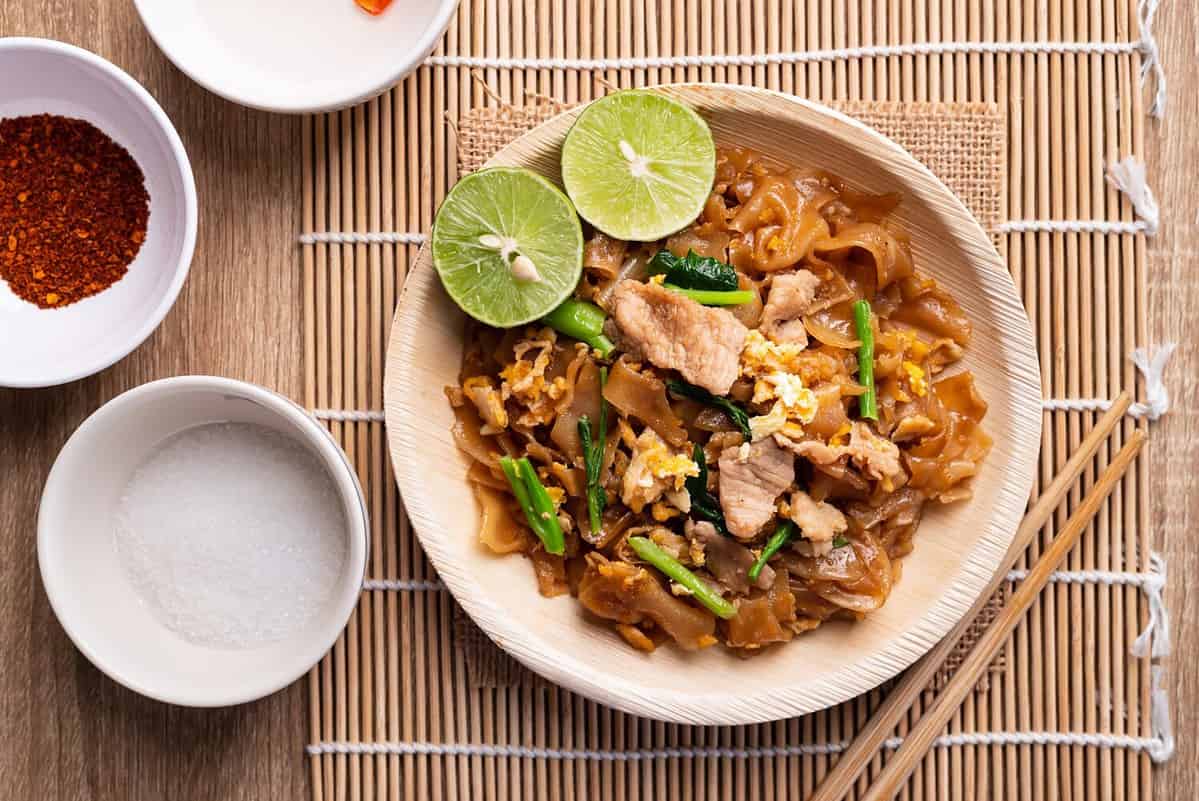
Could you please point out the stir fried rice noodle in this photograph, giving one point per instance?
(807, 247)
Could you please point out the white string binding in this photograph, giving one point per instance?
(403, 585)
(348, 416)
(1072, 227)
(1157, 395)
(1128, 177)
(362, 238)
(1157, 749)
(1152, 64)
(1146, 46)
(1155, 638)
(793, 56)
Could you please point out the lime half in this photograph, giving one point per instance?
(508, 246)
(638, 165)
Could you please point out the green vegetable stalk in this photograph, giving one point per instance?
(711, 297)
(694, 271)
(867, 401)
(781, 536)
(535, 501)
(582, 321)
(840, 542)
(593, 458)
(703, 504)
(738, 415)
(672, 569)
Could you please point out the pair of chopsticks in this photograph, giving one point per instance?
(917, 742)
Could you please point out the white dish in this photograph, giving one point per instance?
(295, 55)
(44, 347)
(90, 591)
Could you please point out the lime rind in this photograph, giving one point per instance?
(678, 165)
(528, 212)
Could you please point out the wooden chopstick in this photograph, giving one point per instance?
(882, 723)
(921, 737)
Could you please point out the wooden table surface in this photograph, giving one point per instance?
(68, 732)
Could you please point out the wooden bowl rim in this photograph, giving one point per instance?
(745, 706)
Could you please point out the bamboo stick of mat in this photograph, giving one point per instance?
(920, 739)
(839, 779)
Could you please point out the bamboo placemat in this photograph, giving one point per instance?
(393, 714)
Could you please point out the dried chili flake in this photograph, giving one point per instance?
(73, 209)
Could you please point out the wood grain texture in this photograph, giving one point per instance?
(962, 544)
(66, 731)
(1172, 156)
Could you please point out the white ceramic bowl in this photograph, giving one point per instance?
(44, 347)
(295, 55)
(88, 588)
(958, 546)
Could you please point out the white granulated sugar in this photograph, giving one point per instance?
(232, 534)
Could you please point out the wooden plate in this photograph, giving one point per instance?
(958, 547)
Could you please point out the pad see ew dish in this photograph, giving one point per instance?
(742, 445)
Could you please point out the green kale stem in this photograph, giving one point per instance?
(536, 502)
(672, 569)
(781, 536)
(582, 321)
(867, 401)
(738, 415)
(713, 297)
(593, 458)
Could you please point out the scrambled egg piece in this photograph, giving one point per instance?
(774, 367)
(524, 379)
(655, 469)
(764, 425)
(760, 356)
(488, 402)
(916, 378)
(658, 279)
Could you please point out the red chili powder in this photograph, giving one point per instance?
(73, 209)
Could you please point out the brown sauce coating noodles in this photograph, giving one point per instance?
(808, 247)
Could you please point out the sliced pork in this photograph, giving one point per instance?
(675, 332)
(750, 484)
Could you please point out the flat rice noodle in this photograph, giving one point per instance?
(810, 604)
(479, 473)
(643, 396)
(833, 288)
(958, 394)
(550, 571)
(929, 308)
(902, 507)
(704, 239)
(824, 487)
(848, 601)
(867, 206)
(467, 436)
(891, 257)
(833, 326)
(749, 314)
(830, 413)
(761, 619)
(629, 594)
(784, 226)
(635, 268)
(498, 529)
(839, 564)
(603, 255)
(585, 400)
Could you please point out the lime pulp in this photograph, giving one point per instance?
(638, 165)
(508, 246)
